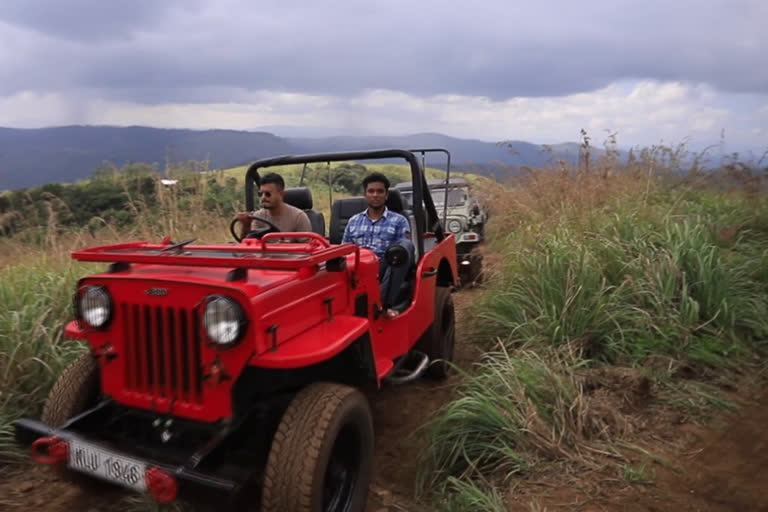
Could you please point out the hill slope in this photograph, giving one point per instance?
(482, 157)
(68, 153)
(32, 157)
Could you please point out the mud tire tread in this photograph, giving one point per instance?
(433, 340)
(302, 444)
(74, 389)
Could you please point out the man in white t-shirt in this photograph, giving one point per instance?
(273, 208)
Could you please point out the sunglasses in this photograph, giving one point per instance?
(265, 193)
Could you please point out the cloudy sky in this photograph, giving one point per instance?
(539, 71)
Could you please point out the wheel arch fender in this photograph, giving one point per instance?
(446, 273)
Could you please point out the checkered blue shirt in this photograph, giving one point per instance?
(376, 235)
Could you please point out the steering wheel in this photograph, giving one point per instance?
(256, 233)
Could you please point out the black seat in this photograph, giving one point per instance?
(395, 201)
(341, 211)
(301, 198)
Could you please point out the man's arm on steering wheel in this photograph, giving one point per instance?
(245, 223)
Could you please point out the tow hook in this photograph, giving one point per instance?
(50, 450)
(166, 434)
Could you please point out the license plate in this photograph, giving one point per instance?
(109, 466)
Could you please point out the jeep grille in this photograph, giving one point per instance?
(162, 349)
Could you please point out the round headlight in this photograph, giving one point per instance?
(454, 226)
(95, 306)
(223, 321)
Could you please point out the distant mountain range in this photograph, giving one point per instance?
(32, 157)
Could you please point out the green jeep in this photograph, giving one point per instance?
(463, 215)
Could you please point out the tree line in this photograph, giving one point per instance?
(121, 197)
(116, 196)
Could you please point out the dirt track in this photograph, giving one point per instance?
(718, 469)
(726, 469)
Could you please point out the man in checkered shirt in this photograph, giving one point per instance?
(376, 228)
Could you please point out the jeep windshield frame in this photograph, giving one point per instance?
(424, 210)
(423, 152)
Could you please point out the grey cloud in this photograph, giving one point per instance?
(493, 49)
(89, 20)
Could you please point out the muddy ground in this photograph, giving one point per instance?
(720, 467)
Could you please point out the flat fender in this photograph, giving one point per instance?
(314, 345)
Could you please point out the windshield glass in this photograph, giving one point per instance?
(456, 196)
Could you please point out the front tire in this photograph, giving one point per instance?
(75, 390)
(322, 453)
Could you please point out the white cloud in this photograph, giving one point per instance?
(642, 113)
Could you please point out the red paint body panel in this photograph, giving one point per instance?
(316, 344)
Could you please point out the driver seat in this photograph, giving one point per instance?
(301, 198)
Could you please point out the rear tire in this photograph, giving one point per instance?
(322, 453)
(439, 340)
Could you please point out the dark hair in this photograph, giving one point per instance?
(375, 177)
(275, 178)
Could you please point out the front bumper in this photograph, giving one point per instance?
(186, 478)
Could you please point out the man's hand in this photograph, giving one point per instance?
(245, 223)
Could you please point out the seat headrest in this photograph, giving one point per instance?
(349, 206)
(341, 211)
(395, 201)
(300, 197)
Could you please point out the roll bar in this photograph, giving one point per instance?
(425, 215)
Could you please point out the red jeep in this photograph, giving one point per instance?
(238, 366)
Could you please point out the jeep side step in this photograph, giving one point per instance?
(400, 374)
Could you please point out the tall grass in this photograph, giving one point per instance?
(516, 411)
(636, 282)
(36, 301)
(614, 284)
